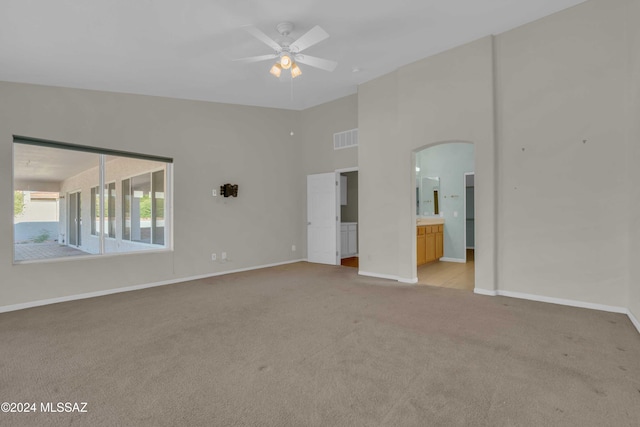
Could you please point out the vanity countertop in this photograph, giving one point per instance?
(429, 221)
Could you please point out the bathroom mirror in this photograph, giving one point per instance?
(428, 189)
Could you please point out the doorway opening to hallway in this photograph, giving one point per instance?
(348, 213)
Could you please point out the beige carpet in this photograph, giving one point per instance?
(312, 345)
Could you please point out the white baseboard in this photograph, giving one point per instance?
(479, 291)
(561, 301)
(634, 320)
(489, 292)
(460, 260)
(30, 304)
(378, 275)
(388, 276)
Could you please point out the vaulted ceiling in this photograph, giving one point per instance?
(185, 49)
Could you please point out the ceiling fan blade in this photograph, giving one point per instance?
(259, 58)
(323, 64)
(263, 37)
(311, 37)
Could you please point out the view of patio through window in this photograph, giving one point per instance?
(143, 208)
(109, 214)
(73, 200)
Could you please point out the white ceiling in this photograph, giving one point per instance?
(33, 163)
(184, 48)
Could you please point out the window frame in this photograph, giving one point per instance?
(111, 208)
(111, 220)
(99, 193)
(123, 205)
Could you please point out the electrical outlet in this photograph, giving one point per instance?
(214, 257)
(223, 256)
(293, 248)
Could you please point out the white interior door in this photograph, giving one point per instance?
(321, 218)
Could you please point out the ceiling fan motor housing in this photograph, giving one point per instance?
(284, 28)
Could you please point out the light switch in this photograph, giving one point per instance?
(214, 193)
(455, 214)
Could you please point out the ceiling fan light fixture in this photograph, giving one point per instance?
(286, 52)
(295, 70)
(276, 70)
(285, 61)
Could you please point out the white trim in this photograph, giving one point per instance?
(30, 304)
(93, 256)
(479, 291)
(459, 260)
(378, 275)
(562, 301)
(101, 195)
(489, 292)
(344, 170)
(464, 205)
(389, 277)
(568, 302)
(339, 212)
(634, 320)
(414, 214)
(338, 218)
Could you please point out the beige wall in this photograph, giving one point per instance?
(211, 144)
(552, 219)
(448, 97)
(318, 124)
(558, 219)
(37, 210)
(562, 222)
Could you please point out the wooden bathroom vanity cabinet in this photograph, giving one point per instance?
(429, 240)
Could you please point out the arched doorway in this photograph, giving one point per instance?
(444, 198)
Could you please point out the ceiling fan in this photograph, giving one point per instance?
(287, 51)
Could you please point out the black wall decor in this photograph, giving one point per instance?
(229, 190)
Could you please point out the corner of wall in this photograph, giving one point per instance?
(634, 320)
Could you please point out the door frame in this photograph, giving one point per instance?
(465, 209)
(414, 215)
(77, 214)
(339, 212)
